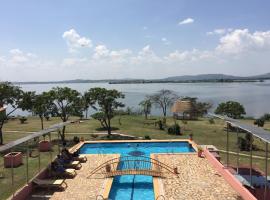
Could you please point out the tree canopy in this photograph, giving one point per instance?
(107, 102)
(43, 106)
(13, 97)
(87, 102)
(164, 99)
(67, 102)
(232, 109)
(146, 106)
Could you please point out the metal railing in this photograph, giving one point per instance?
(160, 197)
(132, 165)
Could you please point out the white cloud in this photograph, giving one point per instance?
(186, 21)
(165, 41)
(102, 53)
(219, 31)
(75, 41)
(241, 40)
(189, 56)
(17, 56)
(236, 50)
(73, 61)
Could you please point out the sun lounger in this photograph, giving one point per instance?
(73, 164)
(64, 172)
(49, 183)
(80, 158)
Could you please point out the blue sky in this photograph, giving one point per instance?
(132, 38)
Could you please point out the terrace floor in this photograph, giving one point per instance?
(197, 180)
(79, 187)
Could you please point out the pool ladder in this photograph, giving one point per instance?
(160, 197)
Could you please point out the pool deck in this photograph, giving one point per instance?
(82, 188)
(197, 180)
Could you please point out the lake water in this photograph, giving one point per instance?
(254, 96)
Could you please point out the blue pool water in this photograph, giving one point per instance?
(134, 187)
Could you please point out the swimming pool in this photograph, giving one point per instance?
(134, 187)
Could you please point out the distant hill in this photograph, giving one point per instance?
(180, 79)
(201, 77)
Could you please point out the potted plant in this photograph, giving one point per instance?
(191, 136)
(200, 151)
(13, 159)
(44, 145)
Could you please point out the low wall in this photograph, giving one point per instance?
(24, 192)
(236, 185)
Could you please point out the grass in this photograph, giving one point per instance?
(203, 133)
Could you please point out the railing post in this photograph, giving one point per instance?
(266, 171)
(27, 164)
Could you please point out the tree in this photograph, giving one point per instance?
(43, 106)
(87, 102)
(164, 99)
(146, 105)
(100, 116)
(232, 109)
(67, 102)
(13, 97)
(107, 101)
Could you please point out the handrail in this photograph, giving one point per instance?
(126, 160)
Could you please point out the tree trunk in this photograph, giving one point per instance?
(1, 136)
(63, 134)
(145, 115)
(1, 133)
(86, 112)
(41, 120)
(109, 126)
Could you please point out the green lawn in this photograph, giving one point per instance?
(203, 133)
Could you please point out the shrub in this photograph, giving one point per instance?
(47, 117)
(259, 122)
(23, 120)
(211, 121)
(184, 121)
(267, 116)
(174, 130)
(147, 137)
(94, 135)
(160, 125)
(76, 139)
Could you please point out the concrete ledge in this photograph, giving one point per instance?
(235, 184)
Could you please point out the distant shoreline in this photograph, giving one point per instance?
(201, 78)
(139, 82)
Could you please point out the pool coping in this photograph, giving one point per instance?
(79, 145)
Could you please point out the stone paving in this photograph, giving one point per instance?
(81, 188)
(197, 180)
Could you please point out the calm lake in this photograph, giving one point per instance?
(254, 96)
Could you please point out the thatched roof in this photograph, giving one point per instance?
(2, 109)
(181, 106)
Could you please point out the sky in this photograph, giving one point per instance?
(114, 39)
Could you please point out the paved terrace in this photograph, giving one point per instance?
(79, 187)
(197, 180)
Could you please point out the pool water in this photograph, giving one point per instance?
(134, 187)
